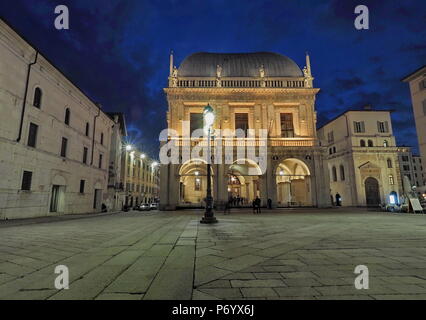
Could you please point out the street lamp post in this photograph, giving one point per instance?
(208, 115)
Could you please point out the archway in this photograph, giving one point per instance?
(372, 195)
(193, 183)
(243, 181)
(293, 183)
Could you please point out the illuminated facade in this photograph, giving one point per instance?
(258, 91)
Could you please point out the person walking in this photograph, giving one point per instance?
(253, 203)
(269, 203)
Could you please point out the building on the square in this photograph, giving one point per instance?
(411, 166)
(139, 177)
(260, 91)
(417, 84)
(54, 141)
(116, 194)
(362, 158)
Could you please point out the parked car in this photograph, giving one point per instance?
(154, 206)
(144, 207)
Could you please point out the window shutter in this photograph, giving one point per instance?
(386, 126)
(362, 126)
(378, 126)
(355, 130)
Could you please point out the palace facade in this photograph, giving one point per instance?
(259, 92)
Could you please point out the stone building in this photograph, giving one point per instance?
(116, 194)
(362, 158)
(411, 166)
(139, 177)
(54, 141)
(417, 84)
(258, 92)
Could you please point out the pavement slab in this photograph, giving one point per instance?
(281, 254)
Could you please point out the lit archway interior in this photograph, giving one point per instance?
(243, 181)
(293, 183)
(193, 183)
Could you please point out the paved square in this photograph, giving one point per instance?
(280, 254)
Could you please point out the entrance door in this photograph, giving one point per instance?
(372, 194)
(54, 199)
(97, 199)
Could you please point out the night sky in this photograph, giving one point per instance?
(118, 51)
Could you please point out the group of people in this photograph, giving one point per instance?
(237, 201)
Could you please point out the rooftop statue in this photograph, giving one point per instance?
(262, 71)
(218, 71)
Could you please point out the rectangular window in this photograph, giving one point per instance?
(287, 129)
(382, 126)
(406, 167)
(195, 122)
(100, 161)
(82, 182)
(359, 126)
(404, 158)
(241, 122)
(330, 137)
(391, 182)
(85, 150)
(64, 147)
(32, 135)
(26, 180)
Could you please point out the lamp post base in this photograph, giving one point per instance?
(208, 220)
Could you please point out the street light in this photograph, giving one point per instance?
(208, 116)
(128, 147)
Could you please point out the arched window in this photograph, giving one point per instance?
(334, 173)
(334, 149)
(330, 151)
(102, 138)
(37, 97)
(389, 161)
(342, 172)
(370, 143)
(67, 116)
(385, 143)
(362, 143)
(87, 129)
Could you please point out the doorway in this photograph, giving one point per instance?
(57, 199)
(372, 195)
(97, 199)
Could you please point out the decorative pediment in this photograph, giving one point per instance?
(368, 165)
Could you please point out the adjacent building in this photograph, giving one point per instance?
(139, 177)
(362, 158)
(116, 194)
(411, 166)
(54, 140)
(417, 84)
(259, 92)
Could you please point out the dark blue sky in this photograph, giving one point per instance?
(117, 51)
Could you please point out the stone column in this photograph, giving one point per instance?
(271, 183)
(221, 187)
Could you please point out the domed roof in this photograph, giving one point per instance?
(204, 64)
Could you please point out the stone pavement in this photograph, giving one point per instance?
(280, 254)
